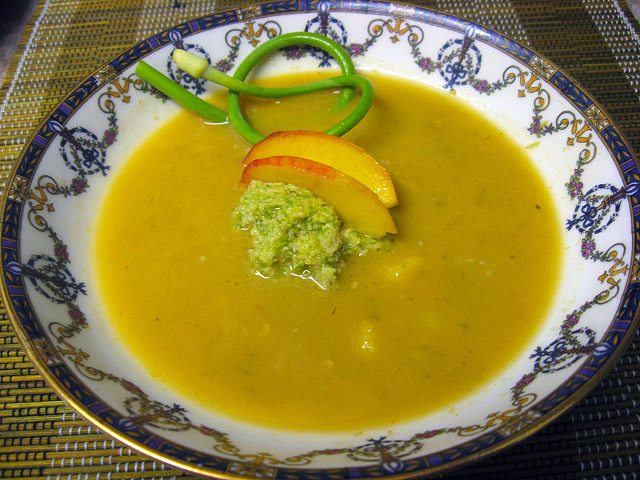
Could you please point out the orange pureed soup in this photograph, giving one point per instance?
(403, 333)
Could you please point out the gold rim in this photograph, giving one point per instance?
(529, 430)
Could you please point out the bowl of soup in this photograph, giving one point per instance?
(508, 291)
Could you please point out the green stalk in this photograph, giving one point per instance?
(177, 93)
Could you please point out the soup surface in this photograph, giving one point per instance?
(403, 333)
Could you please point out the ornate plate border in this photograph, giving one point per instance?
(389, 454)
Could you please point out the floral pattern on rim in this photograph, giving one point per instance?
(84, 153)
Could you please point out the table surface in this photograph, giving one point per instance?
(596, 42)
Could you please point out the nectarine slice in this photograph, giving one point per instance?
(336, 152)
(358, 206)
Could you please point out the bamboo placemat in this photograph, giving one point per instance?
(596, 41)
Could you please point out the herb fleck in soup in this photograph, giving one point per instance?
(403, 333)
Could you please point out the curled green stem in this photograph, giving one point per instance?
(287, 40)
(198, 67)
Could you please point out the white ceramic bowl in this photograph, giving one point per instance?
(62, 174)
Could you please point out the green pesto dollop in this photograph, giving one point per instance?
(296, 233)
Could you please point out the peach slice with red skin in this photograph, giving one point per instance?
(336, 152)
(356, 204)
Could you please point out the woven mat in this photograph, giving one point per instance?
(595, 41)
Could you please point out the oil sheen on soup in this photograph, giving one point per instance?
(402, 334)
